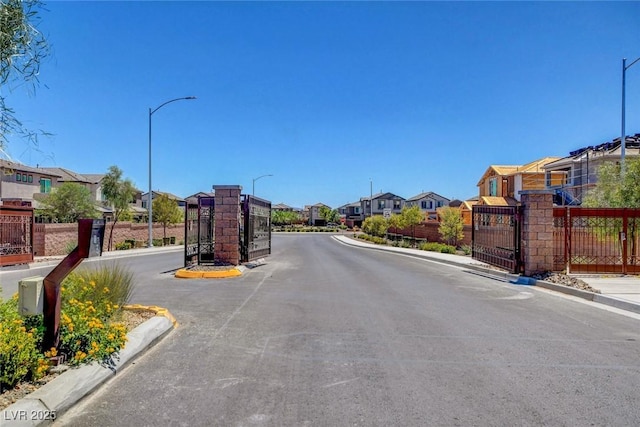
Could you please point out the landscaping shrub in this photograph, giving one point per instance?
(123, 246)
(437, 247)
(20, 358)
(466, 249)
(91, 301)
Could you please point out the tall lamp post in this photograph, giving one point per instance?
(253, 185)
(625, 67)
(150, 198)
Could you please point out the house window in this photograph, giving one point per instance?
(24, 177)
(439, 203)
(30, 179)
(493, 187)
(18, 177)
(381, 204)
(45, 185)
(396, 204)
(356, 210)
(423, 204)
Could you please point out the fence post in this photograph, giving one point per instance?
(537, 231)
(227, 224)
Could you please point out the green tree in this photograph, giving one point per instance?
(412, 216)
(376, 225)
(328, 214)
(284, 217)
(22, 49)
(615, 189)
(118, 193)
(67, 203)
(451, 225)
(166, 211)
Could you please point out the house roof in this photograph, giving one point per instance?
(11, 165)
(425, 195)
(606, 149)
(67, 175)
(468, 204)
(169, 195)
(508, 170)
(385, 196)
(498, 201)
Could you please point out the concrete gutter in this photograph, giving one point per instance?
(50, 401)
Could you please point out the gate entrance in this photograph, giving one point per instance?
(199, 232)
(496, 236)
(16, 235)
(255, 233)
(604, 240)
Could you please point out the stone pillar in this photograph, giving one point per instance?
(227, 224)
(537, 231)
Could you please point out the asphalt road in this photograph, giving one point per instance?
(330, 335)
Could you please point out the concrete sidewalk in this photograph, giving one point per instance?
(615, 290)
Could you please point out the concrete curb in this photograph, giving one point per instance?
(512, 278)
(50, 401)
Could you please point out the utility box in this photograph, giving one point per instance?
(31, 296)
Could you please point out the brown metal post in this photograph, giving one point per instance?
(53, 280)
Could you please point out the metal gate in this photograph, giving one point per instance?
(199, 232)
(255, 232)
(16, 235)
(604, 240)
(496, 236)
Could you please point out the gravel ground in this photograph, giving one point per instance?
(563, 279)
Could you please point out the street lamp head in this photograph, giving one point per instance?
(190, 97)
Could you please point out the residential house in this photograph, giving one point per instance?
(466, 210)
(428, 203)
(283, 208)
(154, 194)
(314, 214)
(22, 183)
(383, 204)
(501, 185)
(579, 171)
(351, 214)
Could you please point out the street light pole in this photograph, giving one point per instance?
(150, 198)
(253, 185)
(625, 67)
(370, 197)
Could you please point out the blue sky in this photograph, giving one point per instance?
(326, 96)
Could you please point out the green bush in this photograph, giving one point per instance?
(91, 303)
(466, 249)
(437, 247)
(20, 358)
(123, 246)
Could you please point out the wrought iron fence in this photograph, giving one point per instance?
(597, 240)
(16, 235)
(199, 230)
(496, 236)
(255, 233)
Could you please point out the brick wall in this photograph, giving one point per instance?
(429, 231)
(53, 239)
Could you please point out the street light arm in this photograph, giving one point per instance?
(169, 102)
(629, 66)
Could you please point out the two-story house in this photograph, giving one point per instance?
(381, 204)
(23, 183)
(428, 203)
(501, 185)
(572, 176)
(351, 214)
(314, 214)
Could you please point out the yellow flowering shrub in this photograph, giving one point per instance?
(20, 358)
(89, 327)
